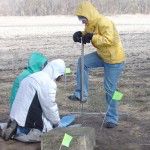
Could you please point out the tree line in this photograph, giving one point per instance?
(67, 7)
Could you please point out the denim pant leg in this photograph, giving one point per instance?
(22, 130)
(91, 60)
(112, 73)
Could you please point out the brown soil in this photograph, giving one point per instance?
(133, 131)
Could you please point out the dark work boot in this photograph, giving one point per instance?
(74, 98)
(10, 130)
(110, 125)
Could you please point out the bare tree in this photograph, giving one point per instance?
(49, 7)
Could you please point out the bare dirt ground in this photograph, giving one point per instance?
(133, 132)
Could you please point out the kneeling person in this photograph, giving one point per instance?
(34, 106)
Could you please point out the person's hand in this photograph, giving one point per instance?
(77, 36)
(60, 125)
(87, 38)
(55, 125)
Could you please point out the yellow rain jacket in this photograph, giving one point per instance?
(106, 38)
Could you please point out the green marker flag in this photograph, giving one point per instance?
(67, 71)
(66, 140)
(117, 96)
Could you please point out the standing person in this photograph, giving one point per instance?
(34, 106)
(36, 62)
(102, 33)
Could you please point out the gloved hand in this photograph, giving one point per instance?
(87, 38)
(58, 125)
(77, 36)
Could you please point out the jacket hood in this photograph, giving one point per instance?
(55, 68)
(36, 62)
(87, 10)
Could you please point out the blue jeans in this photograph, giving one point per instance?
(112, 73)
(22, 130)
